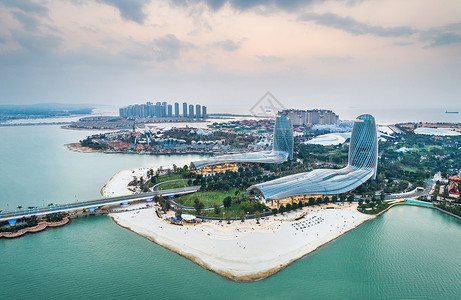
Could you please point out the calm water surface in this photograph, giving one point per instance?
(37, 169)
(408, 253)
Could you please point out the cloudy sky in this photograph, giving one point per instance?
(353, 55)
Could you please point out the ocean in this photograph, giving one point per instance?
(407, 253)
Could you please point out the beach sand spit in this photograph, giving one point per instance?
(246, 251)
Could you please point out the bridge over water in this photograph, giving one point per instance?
(91, 204)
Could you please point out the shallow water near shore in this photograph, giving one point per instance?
(409, 252)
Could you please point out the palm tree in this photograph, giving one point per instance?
(228, 216)
(178, 213)
(242, 215)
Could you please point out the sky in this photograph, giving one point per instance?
(352, 56)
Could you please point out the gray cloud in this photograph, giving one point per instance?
(228, 45)
(249, 4)
(442, 36)
(132, 10)
(439, 36)
(28, 22)
(27, 6)
(352, 26)
(443, 39)
(169, 47)
(37, 44)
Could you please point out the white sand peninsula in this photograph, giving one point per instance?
(118, 184)
(246, 251)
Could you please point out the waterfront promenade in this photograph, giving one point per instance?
(91, 204)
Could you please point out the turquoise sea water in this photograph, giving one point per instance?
(37, 169)
(408, 253)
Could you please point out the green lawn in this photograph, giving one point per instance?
(208, 197)
(166, 178)
(409, 169)
(173, 185)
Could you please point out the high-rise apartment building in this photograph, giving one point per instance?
(184, 109)
(176, 109)
(169, 110)
(198, 111)
(311, 117)
(204, 114)
(162, 110)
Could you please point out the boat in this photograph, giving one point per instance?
(451, 112)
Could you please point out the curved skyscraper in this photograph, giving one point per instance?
(283, 136)
(362, 165)
(281, 151)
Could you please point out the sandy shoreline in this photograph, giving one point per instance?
(246, 251)
(118, 183)
(79, 148)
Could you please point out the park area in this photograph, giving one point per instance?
(208, 198)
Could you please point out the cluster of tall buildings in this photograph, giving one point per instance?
(301, 117)
(164, 110)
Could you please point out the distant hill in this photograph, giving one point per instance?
(46, 109)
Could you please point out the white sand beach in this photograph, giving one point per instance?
(246, 251)
(118, 184)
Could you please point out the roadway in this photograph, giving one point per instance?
(416, 193)
(38, 211)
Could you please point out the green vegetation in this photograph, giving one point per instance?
(235, 204)
(453, 208)
(173, 185)
(207, 197)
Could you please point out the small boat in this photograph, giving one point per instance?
(451, 112)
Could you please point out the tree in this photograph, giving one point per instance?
(257, 216)
(342, 197)
(334, 198)
(227, 201)
(294, 206)
(275, 211)
(217, 209)
(178, 213)
(360, 202)
(311, 201)
(288, 207)
(382, 197)
(228, 216)
(282, 209)
(242, 215)
(198, 205)
(351, 198)
(326, 199)
(166, 205)
(445, 193)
